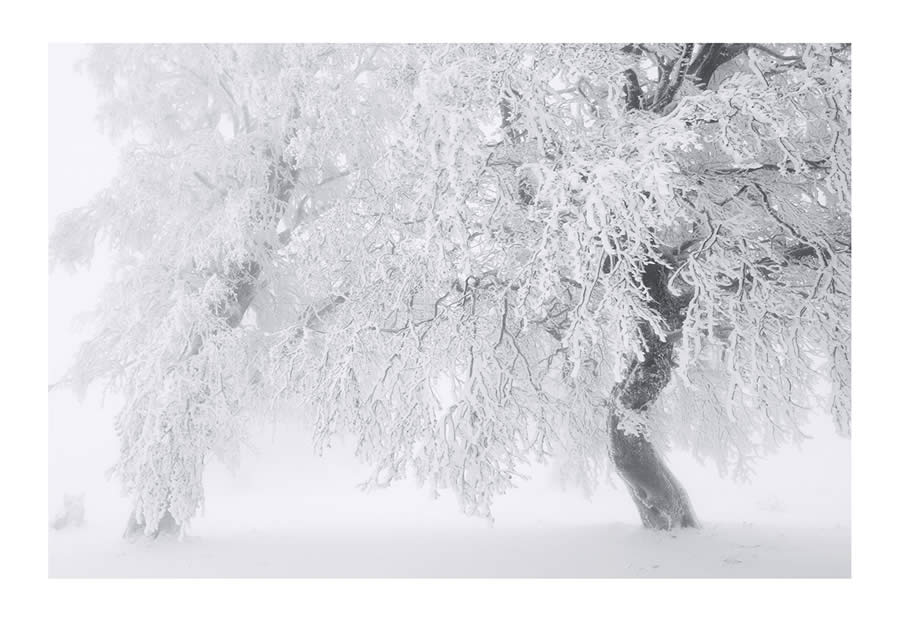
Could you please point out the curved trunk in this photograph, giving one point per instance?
(661, 500)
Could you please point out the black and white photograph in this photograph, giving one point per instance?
(449, 310)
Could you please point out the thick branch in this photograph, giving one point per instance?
(633, 95)
(710, 58)
(671, 84)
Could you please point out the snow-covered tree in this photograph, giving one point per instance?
(471, 257)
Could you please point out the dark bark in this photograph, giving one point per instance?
(698, 68)
(710, 57)
(660, 499)
(674, 76)
(634, 96)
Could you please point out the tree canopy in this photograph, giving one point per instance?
(457, 254)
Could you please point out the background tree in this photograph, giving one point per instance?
(471, 257)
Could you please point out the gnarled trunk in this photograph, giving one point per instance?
(661, 500)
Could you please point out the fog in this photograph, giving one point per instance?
(281, 484)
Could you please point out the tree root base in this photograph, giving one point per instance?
(167, 527)
(660, 499)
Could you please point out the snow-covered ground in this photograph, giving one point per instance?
(288, 513)
(612, 550)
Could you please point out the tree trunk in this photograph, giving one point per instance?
(661, 500)
(167, 526)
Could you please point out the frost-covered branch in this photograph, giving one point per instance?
(460, 254)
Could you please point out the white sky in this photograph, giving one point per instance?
(82, 161)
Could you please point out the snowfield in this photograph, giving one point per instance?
(614, 550)
(288, 513)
